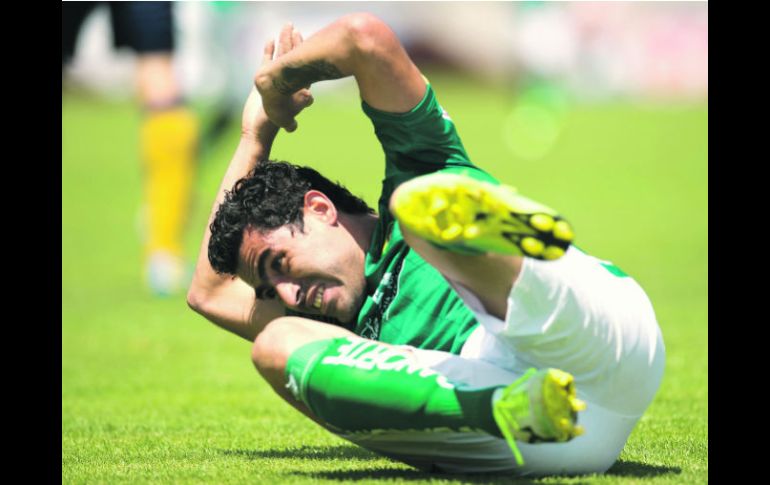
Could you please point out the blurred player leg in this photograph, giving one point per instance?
(169, 136)
(168, 140)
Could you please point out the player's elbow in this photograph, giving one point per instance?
(368, 35)
(205, 305)
(193, 300)
(196, 300)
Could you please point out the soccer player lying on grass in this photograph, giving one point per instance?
(460, 316)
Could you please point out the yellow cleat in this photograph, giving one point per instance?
(577, 404)
(563, 231)
(532, 247)
(471, 231)
(452, 232)
(467, 215)
(553, 252)
(542, 222)
(437, 205)
(540, 406)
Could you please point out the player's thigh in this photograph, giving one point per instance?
(587, 317)
(579, 315)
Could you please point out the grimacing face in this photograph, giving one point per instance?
(319, 270)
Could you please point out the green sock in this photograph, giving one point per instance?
(361, 385)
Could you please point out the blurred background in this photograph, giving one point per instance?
(595, 50)
(599, 109)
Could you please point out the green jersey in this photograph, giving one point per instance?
(408, 301)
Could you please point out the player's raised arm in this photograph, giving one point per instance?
(358, 44)
(225, 299)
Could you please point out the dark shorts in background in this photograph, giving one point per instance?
(141, 26)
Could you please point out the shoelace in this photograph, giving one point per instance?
(512, 404)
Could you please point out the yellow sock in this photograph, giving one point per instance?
(169, 144)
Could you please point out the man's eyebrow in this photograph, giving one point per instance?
(261, 264)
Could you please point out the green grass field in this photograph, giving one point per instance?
(152, 393)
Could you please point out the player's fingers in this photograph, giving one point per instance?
(304, 98)
(303, 103)
(284, 39)
(268, 52)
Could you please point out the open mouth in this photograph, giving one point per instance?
(319, 297)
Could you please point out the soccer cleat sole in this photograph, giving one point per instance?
(462, 213)
(545, 400)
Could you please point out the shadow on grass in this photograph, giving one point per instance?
(415, 475)
(621, 469)
(340, 452)
(640, 470)
(354, 453)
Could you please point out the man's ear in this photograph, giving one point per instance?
(320, 206)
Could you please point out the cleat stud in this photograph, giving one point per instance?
(553, 252)
(451, 232)
(562, 378)
(577, 404)
(432, 227)
(471, 232)
(460, 212)
(437, 205)
(532, 246)
(542, 222)
(578, 430)
(563, 231)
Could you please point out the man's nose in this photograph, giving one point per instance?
(288, 292)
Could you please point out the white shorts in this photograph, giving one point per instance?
(575, 314)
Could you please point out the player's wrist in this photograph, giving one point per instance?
(263, 81)
(269, 85)
(262, 132)
(254, 122)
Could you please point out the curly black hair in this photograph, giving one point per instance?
(270, 196)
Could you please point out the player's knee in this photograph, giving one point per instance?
(282, 336)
